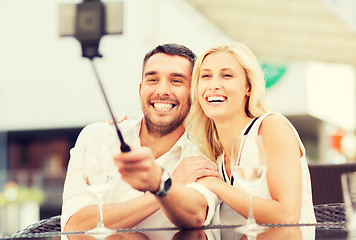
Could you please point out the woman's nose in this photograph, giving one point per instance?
(215, 84)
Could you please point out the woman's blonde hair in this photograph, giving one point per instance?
(202, 130)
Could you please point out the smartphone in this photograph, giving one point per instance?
(68, 18)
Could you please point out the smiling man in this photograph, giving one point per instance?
(164, 93)
(156, 187)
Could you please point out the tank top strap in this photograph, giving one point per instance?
(250, 126)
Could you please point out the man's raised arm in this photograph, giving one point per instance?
(184, 206)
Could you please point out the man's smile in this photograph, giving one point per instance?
(159, 106)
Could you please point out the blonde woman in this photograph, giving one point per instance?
(227, 99)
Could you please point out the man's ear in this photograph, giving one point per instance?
(139, 89)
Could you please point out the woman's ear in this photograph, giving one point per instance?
(248, 93)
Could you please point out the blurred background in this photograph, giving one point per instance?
(48, 92)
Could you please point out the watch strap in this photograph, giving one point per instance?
(165, 184)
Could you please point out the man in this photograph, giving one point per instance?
(146, 195)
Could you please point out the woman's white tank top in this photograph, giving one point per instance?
(226, 215)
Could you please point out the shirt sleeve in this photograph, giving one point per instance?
(76, 194)
(212, 200)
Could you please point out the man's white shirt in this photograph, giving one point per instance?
(94, 140)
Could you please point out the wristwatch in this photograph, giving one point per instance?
(165, 185)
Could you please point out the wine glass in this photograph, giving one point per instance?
(99, 172)
(248, 167)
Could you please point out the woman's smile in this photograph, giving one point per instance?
(216, 99)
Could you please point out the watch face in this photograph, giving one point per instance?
(167, 184)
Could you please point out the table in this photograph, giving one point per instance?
(214, 232)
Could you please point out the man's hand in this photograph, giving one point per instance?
(138, 169)
(192, 168)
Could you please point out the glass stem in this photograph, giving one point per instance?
(101, 219)
(250, 218)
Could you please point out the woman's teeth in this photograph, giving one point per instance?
(216, 99)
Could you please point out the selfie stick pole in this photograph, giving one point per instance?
(90, 25)
(124, 147)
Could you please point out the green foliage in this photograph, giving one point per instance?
(273, 73)
(16, 194)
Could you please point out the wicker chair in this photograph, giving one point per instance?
(326, 181)
(52, 224)
(334, 212)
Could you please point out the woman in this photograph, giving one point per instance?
(227, 95)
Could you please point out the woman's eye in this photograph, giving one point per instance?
(227, 76)
(205, 76)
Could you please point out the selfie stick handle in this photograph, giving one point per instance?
(124, 147)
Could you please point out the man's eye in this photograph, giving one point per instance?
(177, 81)
(152, 80)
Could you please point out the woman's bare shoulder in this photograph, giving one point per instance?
(275, 125)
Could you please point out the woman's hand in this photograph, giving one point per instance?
(193, 168)
(118, 120)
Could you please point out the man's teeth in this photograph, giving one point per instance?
(162, 106)
(216, 99)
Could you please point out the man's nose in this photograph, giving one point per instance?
(164, 88)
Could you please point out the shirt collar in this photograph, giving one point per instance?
(137, 127)
(179, 145)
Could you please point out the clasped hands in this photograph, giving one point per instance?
(138, 168)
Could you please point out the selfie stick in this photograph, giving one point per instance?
(124, 147)
(90, 25)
